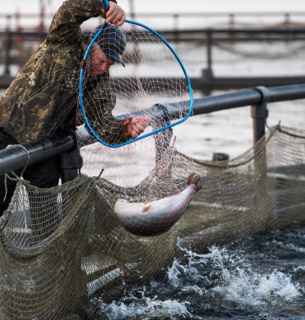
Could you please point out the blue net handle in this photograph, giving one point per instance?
(106, 4)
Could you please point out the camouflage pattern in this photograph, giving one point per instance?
(45, 90)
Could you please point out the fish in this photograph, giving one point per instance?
(152, 218)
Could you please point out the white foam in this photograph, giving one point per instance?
(240, 282)
(146, 308)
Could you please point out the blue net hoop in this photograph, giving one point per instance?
(81, 102)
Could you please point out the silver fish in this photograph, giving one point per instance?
(153, 218)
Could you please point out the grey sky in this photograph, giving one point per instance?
(9, 6)
(156, 6)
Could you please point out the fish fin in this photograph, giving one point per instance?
(175, 191)
(194, 178)
(146, 206)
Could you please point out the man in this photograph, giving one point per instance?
(98, 97)
(42, 99)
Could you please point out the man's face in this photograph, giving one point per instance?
(99, 62)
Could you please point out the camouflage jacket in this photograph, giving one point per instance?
(45, 91)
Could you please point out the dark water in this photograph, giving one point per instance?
(261, 278)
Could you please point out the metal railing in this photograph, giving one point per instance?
(17, 156)
(207, 81)
(7, 20)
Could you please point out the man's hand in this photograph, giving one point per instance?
(115, 15)
(137, 126)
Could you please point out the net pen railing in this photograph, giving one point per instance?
(18, 156)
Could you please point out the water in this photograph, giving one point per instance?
(261, 278)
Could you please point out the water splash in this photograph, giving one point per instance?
(131, 307)
(221, 284)
(253, 289)
(233, 279)
(239, 282)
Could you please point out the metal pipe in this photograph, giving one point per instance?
(209, 45)
(239, 99)
(259, 114)
(18, 156)
(132, 10)
(206, 82)
(262, 32)
(9, 44)
(192, 14)
(243, 98)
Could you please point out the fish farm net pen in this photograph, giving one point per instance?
(53, 264)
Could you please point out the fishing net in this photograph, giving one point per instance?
(128, 74)
(63, 250)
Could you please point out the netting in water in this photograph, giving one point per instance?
(62, 247)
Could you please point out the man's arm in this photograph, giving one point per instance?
(65, 26)
(100, 103)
